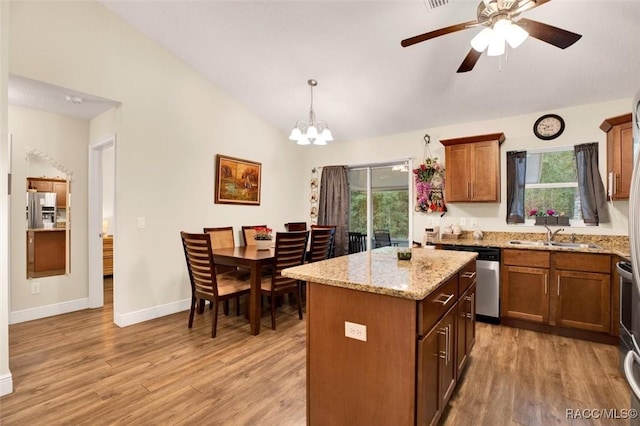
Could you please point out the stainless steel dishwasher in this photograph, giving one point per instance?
(488, 281)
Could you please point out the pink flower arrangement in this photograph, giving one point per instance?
(262, 233)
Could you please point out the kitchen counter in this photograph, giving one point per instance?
(379, 271)
(611, 244)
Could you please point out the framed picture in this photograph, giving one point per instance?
(237, 181)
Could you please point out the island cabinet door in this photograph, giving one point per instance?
(436, 370)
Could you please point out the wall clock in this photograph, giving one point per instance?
(548, 127)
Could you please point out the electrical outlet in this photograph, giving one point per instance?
(142, 222)
(355, 331)
(463, 221)
(35, 287)
(474, 222)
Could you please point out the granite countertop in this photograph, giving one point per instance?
(380, 271)
(611, 244)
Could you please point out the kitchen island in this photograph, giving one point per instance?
(411, 325)
(46, 252)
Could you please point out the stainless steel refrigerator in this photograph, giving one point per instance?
(41, 210)
(632, 358)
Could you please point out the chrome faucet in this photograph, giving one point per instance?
(551, 234)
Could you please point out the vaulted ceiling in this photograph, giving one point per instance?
(263, 52)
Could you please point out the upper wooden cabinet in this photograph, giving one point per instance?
(619, 155)
(59, 186)
(472, 168)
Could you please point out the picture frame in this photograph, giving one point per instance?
(238, 181)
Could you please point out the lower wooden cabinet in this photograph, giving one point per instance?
(436, 369)
(465, 328)
(574, 291)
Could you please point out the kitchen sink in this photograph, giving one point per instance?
(574, 245)
(529, 243)
(554, 244)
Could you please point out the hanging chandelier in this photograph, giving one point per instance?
(312, 131)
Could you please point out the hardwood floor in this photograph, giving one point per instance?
(79, 368)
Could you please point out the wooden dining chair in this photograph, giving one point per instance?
(322, 240)
(357, 242)
(289, 251)
(223, 237)
(295, 226)
(333, 238)
(248, 232)
(205, 283)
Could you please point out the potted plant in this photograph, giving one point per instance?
(552, 219)
(538, 216)
(263, 237)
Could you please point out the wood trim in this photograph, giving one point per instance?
(561, 331)
(608, 123)
(500, 137)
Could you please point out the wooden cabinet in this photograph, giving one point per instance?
(59, 186)
(436, 370)
(46, 252)
(582, 291)
(472, 168)
(563, 289)
(107, 255)
(619, 156)
(465, 328)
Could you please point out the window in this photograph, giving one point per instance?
(379, 200)
(552, 182)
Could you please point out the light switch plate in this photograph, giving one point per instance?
(35, 287)
(474, 222)
(355, 331)
(463, 221)
(142, 222)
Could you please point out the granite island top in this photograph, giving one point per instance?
(379, 271)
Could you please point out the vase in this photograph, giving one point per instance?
(541, 220)
(263, 244)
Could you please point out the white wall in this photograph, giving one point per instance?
(65, 140)
(6, 381)
(582, 126)
(172, 124)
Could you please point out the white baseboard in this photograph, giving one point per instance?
(48, 311)
(6, 384)
(123, 320)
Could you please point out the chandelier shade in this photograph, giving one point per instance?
(311, 131)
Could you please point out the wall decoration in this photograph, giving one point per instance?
(429, 178)
(313, 198)
(237, 181)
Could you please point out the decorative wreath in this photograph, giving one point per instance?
(429, 177)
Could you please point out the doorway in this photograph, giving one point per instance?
(102, 223)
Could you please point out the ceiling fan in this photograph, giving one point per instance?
(499, 17)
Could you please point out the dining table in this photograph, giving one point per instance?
(248, 257)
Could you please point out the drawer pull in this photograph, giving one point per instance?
(446, 300)
(468, 275)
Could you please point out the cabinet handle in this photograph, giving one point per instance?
(473, 307)
(473, 190)
(615, 183)
(546, 283)
(445, 301)
(558, 285)
(468, 189)
(468, 275)
(443, 332)
(447, 343)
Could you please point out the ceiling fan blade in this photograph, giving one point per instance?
(549, 34)
(437, 33)
(469, 61)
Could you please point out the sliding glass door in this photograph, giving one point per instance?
(380, 201)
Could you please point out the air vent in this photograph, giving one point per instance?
(436, 3)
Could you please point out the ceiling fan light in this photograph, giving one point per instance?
(482, 39)
(516, 35)
(326, 134)
(496, 47)
(501, 27)
(295, 134)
